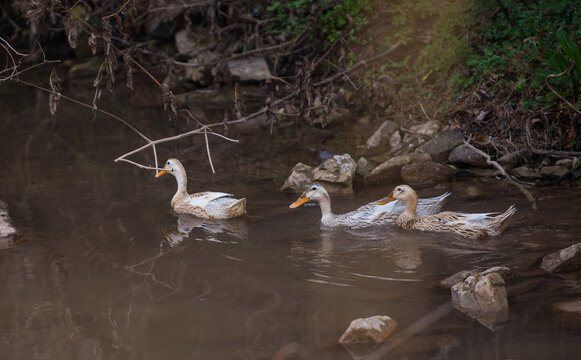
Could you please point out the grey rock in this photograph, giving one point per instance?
(426, 173)
(379, 141)
(301, 175)
(526, 172)
(458, 277)
(252, 69)
(185, 43)
(482, 297)
(338, 170)
(565, 260)
(441, 145)
(510, 160)
(503, 271)
(7, 230)
(375, 329)
(202, 72)
(462, 155)
(429, 128)
(395, 139)
(557, 171)
(363, 167)
(390, 171)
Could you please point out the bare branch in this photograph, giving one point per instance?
(489, 161)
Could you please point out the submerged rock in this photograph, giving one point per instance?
(390, 171)
(426, 173)
(462, 155)
(565, 260)
(526, 172)
(568, 313)
(373, 329)
(482, 297)
(301, 175)
(441, 145)
(7, 230)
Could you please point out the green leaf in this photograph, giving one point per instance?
(570, 48)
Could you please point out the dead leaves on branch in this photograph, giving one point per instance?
(55, 95)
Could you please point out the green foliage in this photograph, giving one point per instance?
(323, 20)
(516, 48)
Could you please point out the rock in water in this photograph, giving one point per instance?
(7, 230)
(373, 329)
(565, 260)
(482, 297)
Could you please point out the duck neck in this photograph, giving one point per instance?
(182, 181)
(325, 204)
(411, 207)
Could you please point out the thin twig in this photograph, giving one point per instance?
(208, 151)
(489, 161)
(551, 76)
(545, 152)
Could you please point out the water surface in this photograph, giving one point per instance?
(103, 270)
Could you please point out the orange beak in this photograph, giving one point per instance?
(161, 173)
(301, 200)
(389, 198)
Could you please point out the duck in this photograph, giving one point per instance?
(208, 204)
(371, 214)
(472, 226)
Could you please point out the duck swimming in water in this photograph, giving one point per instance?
(207, 205)
(472, 226)
(371, 214)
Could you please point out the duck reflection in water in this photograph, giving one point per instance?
(230, 230)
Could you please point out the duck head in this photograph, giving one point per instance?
(314, 192)
(172, 166)
(401, 192)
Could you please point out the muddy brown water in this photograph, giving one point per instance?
(103, 270)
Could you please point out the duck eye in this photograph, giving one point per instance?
(314, 188)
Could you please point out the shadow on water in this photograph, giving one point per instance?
(103, 270)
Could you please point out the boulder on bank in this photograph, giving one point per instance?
(442, 144)
(462, 155)
(565, 260)
(301, 175)
(426, 173)
(482, 297)
(374, 329)
(252, 69)
(7, 230)
(379, 142)
(390, 171)
(339, 171)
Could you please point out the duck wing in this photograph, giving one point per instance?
(202, 199)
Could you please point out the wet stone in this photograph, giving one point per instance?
(441, 145)
(426, 173)
(482, 297)
(301, 175)
(390, 171)
(456, 278)
(373, 329)
(338, 170)
(7, 230)
(462, 155)
(526, 172)
(565, 260)
(378, 142)
(568, 313)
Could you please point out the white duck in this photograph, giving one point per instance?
(208, 205)
(472, 226)
(371, 214)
